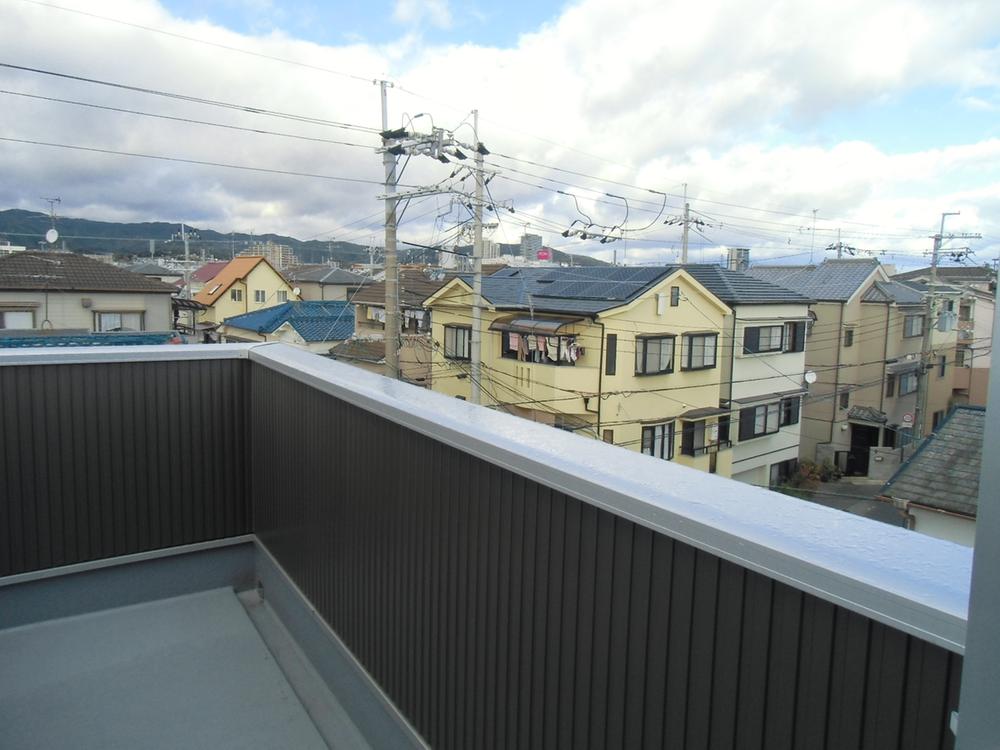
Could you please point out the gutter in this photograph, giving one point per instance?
(600, 379)
(885, 366)
(836, 372)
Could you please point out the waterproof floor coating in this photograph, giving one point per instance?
(189, 672)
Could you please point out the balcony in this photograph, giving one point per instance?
(253, 546)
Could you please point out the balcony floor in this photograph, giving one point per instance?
(191, 671)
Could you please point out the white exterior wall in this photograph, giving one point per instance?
(935, 523)
(760, 375)
(66, 309)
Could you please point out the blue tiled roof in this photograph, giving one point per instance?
(312, 320)
(136, 338)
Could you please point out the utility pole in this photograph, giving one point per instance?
(840, 247)
(187, 264)
(392, 327)
(687, 224)
(477, 272)
(812, 242)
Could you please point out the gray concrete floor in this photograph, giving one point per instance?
(188, 672)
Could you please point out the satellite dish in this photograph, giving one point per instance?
(51, 236)
(297, 292)
(810, 377)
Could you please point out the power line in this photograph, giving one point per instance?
(197, 162)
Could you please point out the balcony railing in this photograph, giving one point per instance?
(505, 584)
(701, 450)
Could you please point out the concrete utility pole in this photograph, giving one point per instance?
(687, 224)
(392, 327)
(477, 272)
(187, 264)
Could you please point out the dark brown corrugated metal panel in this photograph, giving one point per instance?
(498, 613)
(98, 460)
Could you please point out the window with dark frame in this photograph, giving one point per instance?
(795, 336)
(890, 385)
(654, 355)
(658, 440)
(457, 342)
(757, 421)
(913, 325)
(936, 419)
(942, 365)
(782, 471)
(236, 295)
(611, 354)
(848, 338)
(759, 339)
(675, 296)
(700, 354)
(540, 349)
(845, 400)
(907, 383)
(789, 411)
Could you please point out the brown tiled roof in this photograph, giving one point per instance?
(73, 272)
(363, 350)
(236, 269)
(414, 288)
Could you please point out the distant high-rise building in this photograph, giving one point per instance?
(739, 259)
(491, 250)
(279, 256)
(530, 245)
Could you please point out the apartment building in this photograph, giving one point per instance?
(864, 351)
(631, 356)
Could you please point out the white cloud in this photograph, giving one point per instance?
(719, 95)
(415, 12)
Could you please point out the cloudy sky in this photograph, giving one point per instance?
(878, 115)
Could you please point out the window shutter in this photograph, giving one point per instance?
(751, 340)
(746, 423)
(611, 358)
(800, 337)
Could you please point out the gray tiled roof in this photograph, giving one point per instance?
(153, 269)
(71, 272)
(585, 290)
(955, 274)
(363, 350)
(944, 471)
(740, 288)
(326, 275)
(893, 291)
(830, 281)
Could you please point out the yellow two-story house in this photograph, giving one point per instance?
(631, 356)
(244, 284)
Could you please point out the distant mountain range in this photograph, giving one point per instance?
(28, 228)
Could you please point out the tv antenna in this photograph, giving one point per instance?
(53, 234)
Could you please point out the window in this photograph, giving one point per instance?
(962, 358)
(700, 351)
(848, 338)
(282, 296)
(795, 336)
(889, 436)
(936, 419)
(845, 400)
(609, 436)
(756, 421)
(658, 440)
(762, 339)
(913, 325)
(457, 342)
(654, 355)
(907, 383)
(540, 349)
(675, 296)
(965, 311)
(611, 355)
(942, 366)
(118, 321)
(259, 295)
(17, 319)
(724, 421)
(789, 411)
(236, 295)
(782, 471)
(890, 385)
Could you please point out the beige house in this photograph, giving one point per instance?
(321, 283)
(864, 351)
(54, 290)
(245, 284)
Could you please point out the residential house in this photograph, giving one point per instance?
(55, 290)
(630, 356)
(245, 284)
(976, 290)
(368, 354)
(325, 282)
(313, 326)
(763, 360)
(864, 353)
(415, 285)
(204, 274)
(938, 486)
